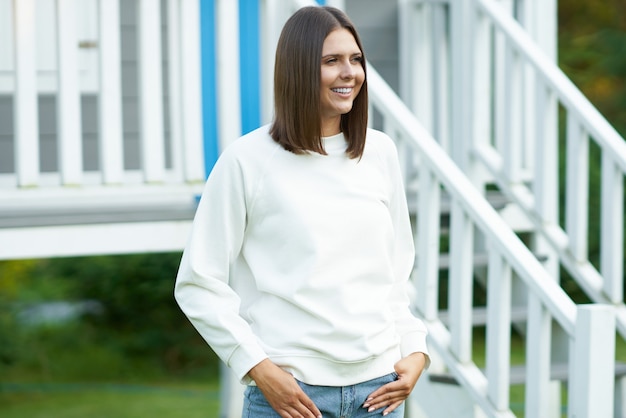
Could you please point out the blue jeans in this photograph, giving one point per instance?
(333, 402)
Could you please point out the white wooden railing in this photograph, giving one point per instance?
(508, 256)
(527, 69)
(492, 95)
(47, 50)
(70, 50)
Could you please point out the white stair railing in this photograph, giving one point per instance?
(584, 127)
(590, 364)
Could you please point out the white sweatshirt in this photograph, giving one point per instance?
(303, 259)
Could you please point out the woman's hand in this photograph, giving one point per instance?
(391, 395)
(282, 391)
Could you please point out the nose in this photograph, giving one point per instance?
(348, 71)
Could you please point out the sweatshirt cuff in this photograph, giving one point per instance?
(244, 358)
(415, 342)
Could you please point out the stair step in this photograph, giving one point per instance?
(494, 197)
(480, 260)
(479, 315)
(558, 371)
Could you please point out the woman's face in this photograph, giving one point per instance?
(342, 76)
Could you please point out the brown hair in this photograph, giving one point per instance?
(297, 117)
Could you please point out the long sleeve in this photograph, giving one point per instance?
(202, 289)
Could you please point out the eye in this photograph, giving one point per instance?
(330, 61)
(357, 58)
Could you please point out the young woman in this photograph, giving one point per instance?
(301, 248)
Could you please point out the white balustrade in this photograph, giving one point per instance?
(41, 59)
(508, 256)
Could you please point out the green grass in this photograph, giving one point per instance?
(109, 401)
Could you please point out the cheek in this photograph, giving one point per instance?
(360, 78)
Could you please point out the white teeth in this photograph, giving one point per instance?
(344, 90)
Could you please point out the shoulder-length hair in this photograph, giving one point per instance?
(297, 74)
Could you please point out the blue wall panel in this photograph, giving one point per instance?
(209, 102)
(249, 59)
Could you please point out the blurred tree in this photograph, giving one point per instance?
(592, 52)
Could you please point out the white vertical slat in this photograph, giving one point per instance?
(512, 145)
(546, 153)
(461, 282)
(416, 64)
(110, 109)
(88, 54)
(26, 107)
(427, 243)
(482, 80)
(46, 41)
(150, 90)
(191, 90)
(498, 330)
(441, 73)
(175, 28)
(591, 383)
(461, 77)
(577, 187)
(499, 109)
(69, 123)
(6, 36)
(228, 73)
(612, 229)
(538, 347)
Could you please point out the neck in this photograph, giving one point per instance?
(331, 127)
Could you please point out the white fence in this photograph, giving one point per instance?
(69, 50)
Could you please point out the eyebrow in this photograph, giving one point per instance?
(340, 55)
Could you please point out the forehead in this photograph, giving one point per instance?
(340, 41)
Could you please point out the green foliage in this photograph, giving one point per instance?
(140, 329)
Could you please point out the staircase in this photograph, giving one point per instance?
(503, 133)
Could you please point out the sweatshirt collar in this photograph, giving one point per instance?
(335, 144)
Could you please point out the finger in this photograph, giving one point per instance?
(392, 408)
(391, 394)
(312, 408)
(395, 386)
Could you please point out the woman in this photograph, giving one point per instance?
(301, 248)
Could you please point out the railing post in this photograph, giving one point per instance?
(612, 229)
(462, 15)
(190, 88)
(577, 187)
(26, 107)
(498, 330)
(592, 363)
(150, 90)
(416, 59)
(461, 282)
(111, 135)
(427, 243)
(69, 124)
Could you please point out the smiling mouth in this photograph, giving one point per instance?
(343, 90)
